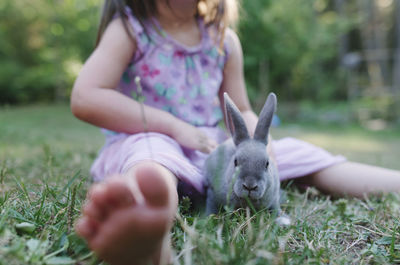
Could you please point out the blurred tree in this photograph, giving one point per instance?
(298, 40)
(396, 68)
(290, 46)
(42, 46)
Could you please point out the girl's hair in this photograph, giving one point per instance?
(219, 13)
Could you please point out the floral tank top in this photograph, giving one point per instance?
(176, 78)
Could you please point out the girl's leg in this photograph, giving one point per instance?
(128, 217)
(354, 179)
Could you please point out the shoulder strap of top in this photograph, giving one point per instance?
(141, 37)
(220, 53)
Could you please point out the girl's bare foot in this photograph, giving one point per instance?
(127, 224)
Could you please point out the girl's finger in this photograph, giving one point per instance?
(213, 144)
(210, 146)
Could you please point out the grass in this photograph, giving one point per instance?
(45, 154)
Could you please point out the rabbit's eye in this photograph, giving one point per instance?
(267, 164)
(235, 162)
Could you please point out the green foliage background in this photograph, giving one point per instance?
(42, 47)
(44, 43)
(298, 40)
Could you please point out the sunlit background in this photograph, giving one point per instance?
(329, 61)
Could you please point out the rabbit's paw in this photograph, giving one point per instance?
(283, 220)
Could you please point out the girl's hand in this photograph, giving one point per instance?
(191, 137)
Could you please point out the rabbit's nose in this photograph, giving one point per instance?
(250, 187)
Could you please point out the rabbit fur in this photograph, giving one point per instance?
(239, 171)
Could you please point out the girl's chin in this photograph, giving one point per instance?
(183, 5)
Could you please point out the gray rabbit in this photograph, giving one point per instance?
(239, 172)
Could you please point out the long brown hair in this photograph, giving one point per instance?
(221, 13)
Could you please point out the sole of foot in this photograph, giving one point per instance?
(123, 230)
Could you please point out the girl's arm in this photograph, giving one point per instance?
(95, 100)
(234, 83)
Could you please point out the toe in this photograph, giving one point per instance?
(118, 194)
(91, 210)
(97, 205)
(108, 197)
(153, 186)
(86, 227)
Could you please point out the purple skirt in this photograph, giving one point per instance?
(295, 158)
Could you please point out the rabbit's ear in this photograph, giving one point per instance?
(265, 119)
(235, 122)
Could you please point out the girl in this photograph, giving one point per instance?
(186, 58)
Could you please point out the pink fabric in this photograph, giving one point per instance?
(122, 151)
(295, 158)
(182, 80)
